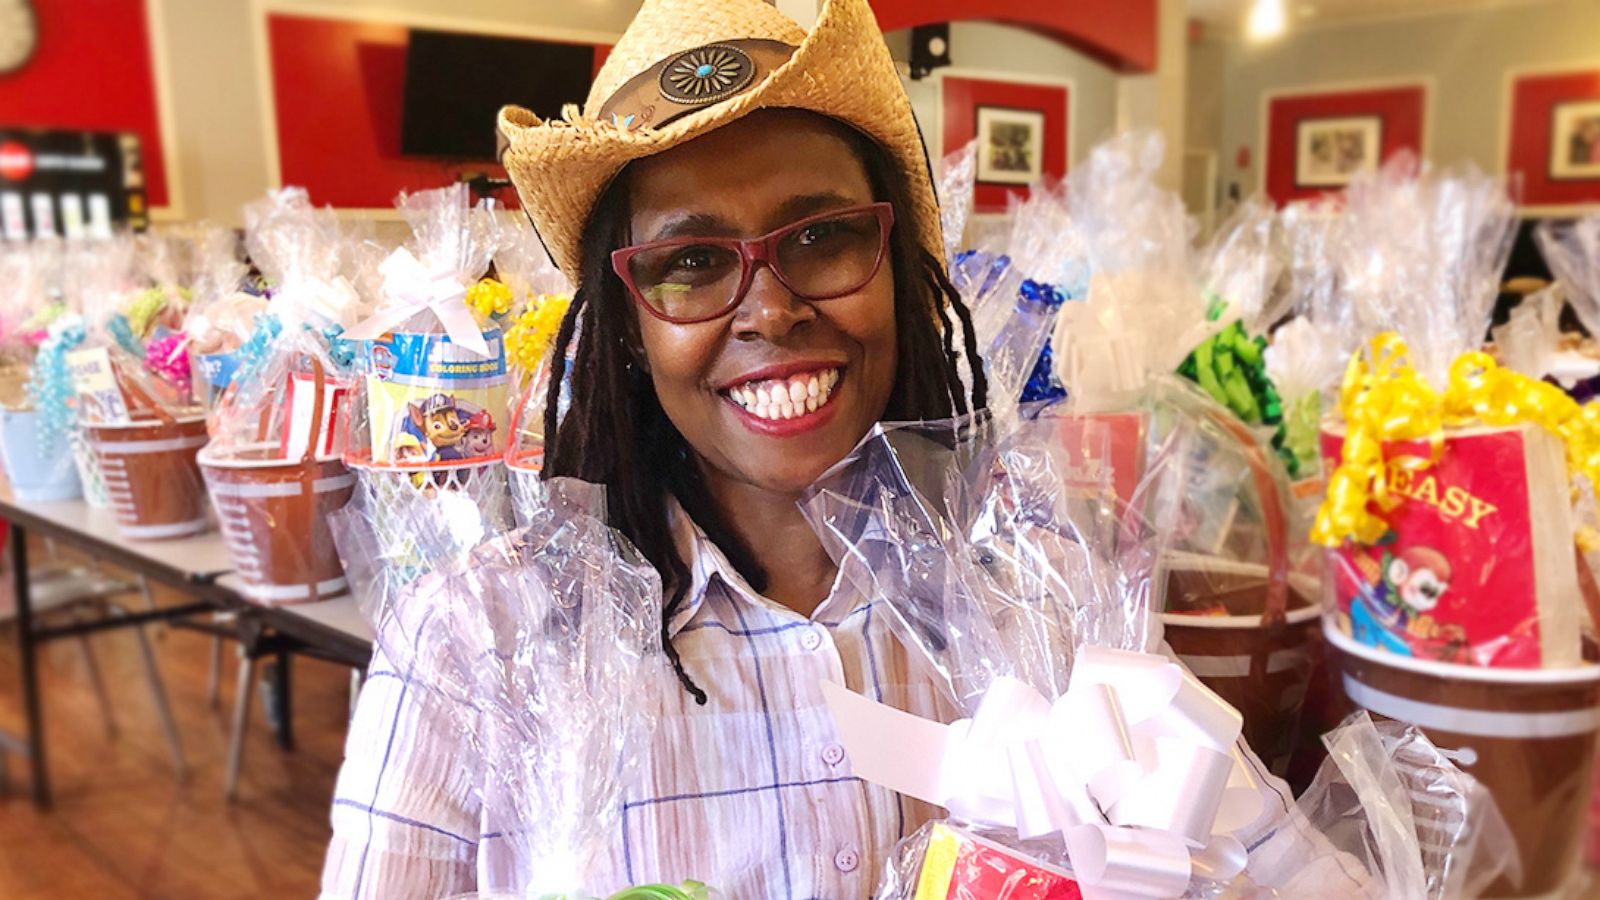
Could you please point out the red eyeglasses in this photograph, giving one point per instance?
(695, 279)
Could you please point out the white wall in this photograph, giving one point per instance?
(1466, 58)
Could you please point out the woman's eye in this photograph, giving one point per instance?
(818, 232)
(693, 259)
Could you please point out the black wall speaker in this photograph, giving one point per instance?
(930, 49)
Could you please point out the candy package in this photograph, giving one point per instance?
(540, 650)
(1089, 761)
(1449, 516)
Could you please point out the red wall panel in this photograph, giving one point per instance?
(1533, 98)
(92, 70)
(961, 98)
(1122, 33)
(1401, 108)
(338, 91)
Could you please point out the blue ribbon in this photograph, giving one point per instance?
(50, 388)
(253, 352)
(342, 352)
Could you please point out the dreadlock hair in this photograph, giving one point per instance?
(615, 433)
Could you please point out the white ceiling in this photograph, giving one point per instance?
(1231, 13)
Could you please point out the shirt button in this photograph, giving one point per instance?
(811, 640)
(846, 860)
(833, 754)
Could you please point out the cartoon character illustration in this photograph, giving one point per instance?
(439, 421)
(1394, 612)
(381, 360)
(408, 449)
(479, 439)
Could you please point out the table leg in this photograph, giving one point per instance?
(285, 708)
(33, 711)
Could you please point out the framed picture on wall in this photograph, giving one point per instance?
(1551, 137)
(1575, 140)
(1329, 153)
(1020, 129)
(1010, 145)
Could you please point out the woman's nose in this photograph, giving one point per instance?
(770, 310)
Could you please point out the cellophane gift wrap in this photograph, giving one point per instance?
(274, 465)
(220, 318)
(38, 455)
(1448, 510)
(541, 296)
(542, 648)
(1089, 763)
(427, 415)
(435, 365)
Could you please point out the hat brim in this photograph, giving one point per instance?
(842, 70)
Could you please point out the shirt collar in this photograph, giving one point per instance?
(707, 564)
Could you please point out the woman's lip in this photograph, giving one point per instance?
(783, 428)
(784, 370)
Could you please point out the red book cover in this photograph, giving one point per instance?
(1105, 448)
(1477, 566)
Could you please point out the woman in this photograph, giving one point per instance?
(747, 214)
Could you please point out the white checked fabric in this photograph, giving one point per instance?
(750, 793)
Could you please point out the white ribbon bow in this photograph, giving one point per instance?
(318, 302)
(1135, 766)
(410, 287)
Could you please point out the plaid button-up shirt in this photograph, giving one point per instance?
(751, 793)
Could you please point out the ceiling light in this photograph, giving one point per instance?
(1268, 19)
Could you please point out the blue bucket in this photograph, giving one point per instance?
(37, 473)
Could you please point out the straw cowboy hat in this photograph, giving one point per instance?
(686, 67)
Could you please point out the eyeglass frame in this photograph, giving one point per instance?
(753, 253)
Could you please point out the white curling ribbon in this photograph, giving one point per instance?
(317, 302)
(1135, 766)
(410, 287)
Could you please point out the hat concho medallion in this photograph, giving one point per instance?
(706, 74)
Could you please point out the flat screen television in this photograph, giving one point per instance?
(456, 83)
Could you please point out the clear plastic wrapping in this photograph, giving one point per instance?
(1030, 593)
(426, 432)
(274, 464)
(1573, 251)
(542, 297)
(543, 647)
(1142, 313)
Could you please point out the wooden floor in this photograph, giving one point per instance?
(122, 827)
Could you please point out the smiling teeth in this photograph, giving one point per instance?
(786, 398)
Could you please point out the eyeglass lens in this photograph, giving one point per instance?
(819, 259)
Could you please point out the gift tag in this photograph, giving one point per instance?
(94, 383)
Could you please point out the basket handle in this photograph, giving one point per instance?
(1272, 507)
(132, 387)
(319, 381)
(1587, 589)
(514, 428)
(308, 465)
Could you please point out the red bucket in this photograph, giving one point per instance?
(1529, 735)
(151, 475)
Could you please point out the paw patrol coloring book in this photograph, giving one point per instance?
(432, 401)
